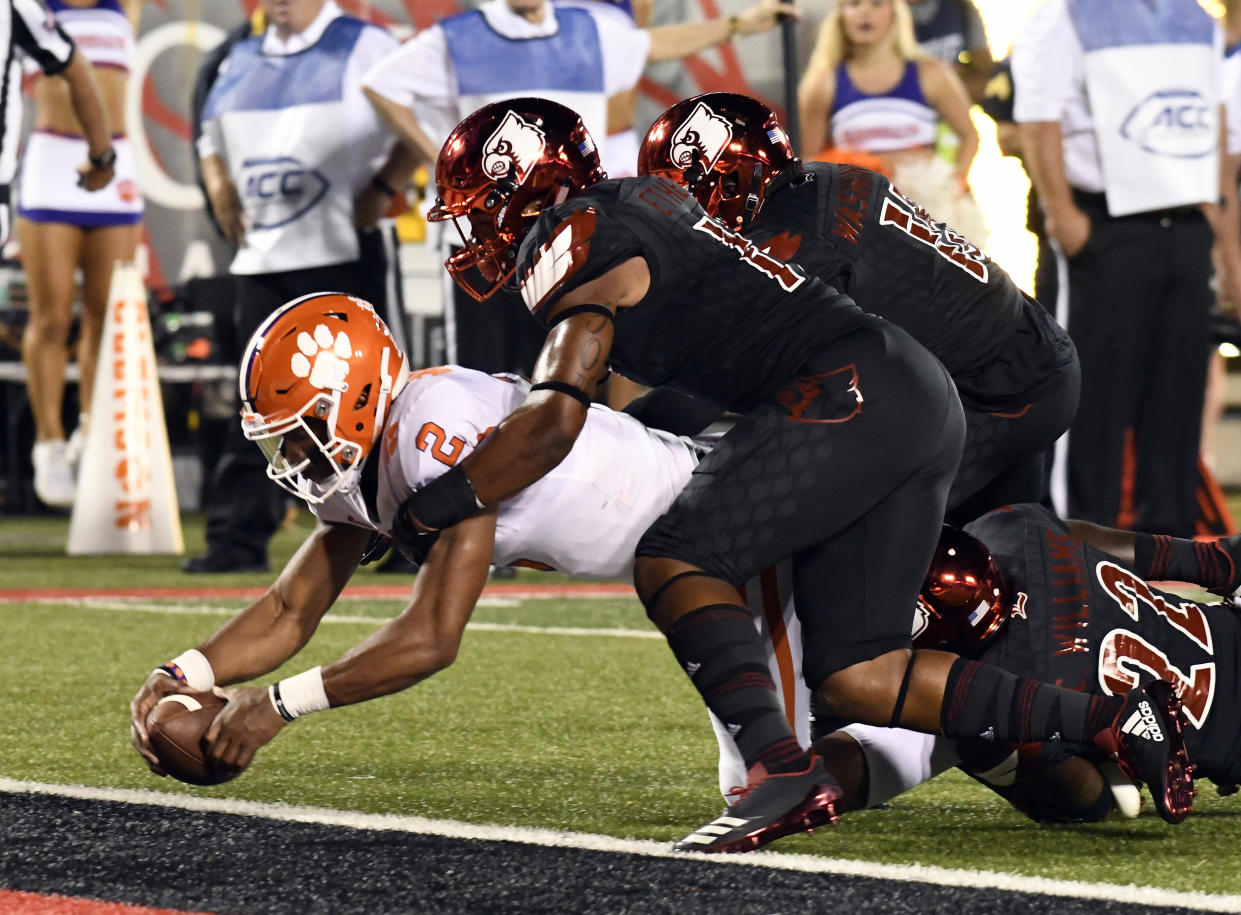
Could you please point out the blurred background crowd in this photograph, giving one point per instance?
(245, 152)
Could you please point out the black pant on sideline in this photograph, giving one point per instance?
(1139, 298)
(496, 335)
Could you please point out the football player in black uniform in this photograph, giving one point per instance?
(1018, 590)
(1014, 367)
(849, 438)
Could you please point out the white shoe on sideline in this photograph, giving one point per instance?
(76, 445)
(53, 479)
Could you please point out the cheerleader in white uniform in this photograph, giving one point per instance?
(62, 226)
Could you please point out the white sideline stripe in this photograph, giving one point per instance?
(104, 603)
(513, 596)
(906, 873)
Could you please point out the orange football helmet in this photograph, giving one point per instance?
(500, 168)
(964, 600)
(326, 357)
(724, 147)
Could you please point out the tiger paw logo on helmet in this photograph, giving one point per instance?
(330, 357)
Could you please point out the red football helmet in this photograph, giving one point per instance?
(964, 599)
(326, 357)
(500, 168)
(724, 147)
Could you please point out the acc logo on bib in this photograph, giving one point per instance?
(280, 190)
(1174, 122)
(703, 133)
(513, 149)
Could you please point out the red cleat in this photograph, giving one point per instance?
(772, 806)
(1147, 738)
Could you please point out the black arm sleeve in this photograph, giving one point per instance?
(672, 411)
(975, 31)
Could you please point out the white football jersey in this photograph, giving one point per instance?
(583, 518)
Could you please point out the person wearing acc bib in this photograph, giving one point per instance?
(1130, 208)
(299, 171)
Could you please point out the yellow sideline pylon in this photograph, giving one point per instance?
(126, 498)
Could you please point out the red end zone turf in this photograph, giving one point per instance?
(17, 903)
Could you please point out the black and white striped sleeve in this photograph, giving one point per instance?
(36, 32)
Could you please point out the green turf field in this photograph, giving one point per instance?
(588, 733)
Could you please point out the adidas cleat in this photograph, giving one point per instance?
(772, 806)
(1150, 748)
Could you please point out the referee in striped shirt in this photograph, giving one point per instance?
(26, 25)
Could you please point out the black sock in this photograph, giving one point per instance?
(981, 700)
(1158, 557)
(718, 646)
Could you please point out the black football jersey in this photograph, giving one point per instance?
(851, 228)
(721, 319)
(1084, 621)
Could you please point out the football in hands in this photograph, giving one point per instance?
(177, 725)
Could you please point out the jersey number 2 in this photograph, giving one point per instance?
(434, 437)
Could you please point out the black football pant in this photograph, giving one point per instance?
(846, 470)
(1139, 299)
(496, 335)
(244, 508)
(1006, 450)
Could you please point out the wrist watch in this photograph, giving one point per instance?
(103, 160)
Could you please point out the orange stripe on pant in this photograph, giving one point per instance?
(773, 612)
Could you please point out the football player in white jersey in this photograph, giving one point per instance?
(324, 388)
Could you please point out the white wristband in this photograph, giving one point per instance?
(295, 696)
(195, 670)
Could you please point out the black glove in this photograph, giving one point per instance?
(674, 411)
(412, 543)
(376, 549)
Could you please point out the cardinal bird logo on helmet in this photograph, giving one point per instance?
(498, 171)
(703, 135)
(513, 149)
(724, 148)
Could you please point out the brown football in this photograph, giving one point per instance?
(177, 724)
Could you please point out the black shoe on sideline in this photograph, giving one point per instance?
(217, 562)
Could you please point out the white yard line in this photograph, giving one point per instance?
(1140, 895)
(125, 605)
